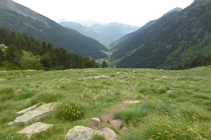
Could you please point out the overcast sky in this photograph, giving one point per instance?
(133, 12)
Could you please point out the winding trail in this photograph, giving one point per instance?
(108, 116)
(131, 86)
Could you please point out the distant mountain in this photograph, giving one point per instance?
(104, 33)
(61, 20)
(18, 18)
(175, 38)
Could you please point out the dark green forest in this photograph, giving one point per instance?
(50, 58)
(197, 62)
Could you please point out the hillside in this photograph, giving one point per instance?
(19, 51)
(18, 18)
(104, 33)
(173, 104)
(175, 38)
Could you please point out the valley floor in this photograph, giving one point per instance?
(173, 104)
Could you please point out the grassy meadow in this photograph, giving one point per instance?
(178, 105)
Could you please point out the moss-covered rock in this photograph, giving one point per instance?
(81, 132)
(35, 128)
(31, 116)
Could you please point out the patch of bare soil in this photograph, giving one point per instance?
(108, 116)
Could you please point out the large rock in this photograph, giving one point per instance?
(35, 128)
(94, 123)
(99, 77)
(27, 109)
(81, 133)
(39, 113)
(109, 134)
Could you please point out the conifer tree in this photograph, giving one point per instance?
(104, 64)
(2, 56)
(1, 62)
(46, 59)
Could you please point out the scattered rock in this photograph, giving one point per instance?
(2, 80)
(90, 71)
(98, 77)
(157, 79)
(27, 76)
(63, 79)
(118, 72)
(124, 129)
(27, 109)
(35, 128)
(94, 123)
(169, 91)
(131, 101)
(19, 90)
(11, 123)
(117, 123)
(81, 133)
(108, 133)
(41, 112)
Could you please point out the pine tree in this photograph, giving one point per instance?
(46, 59)
(81, 62)
(44, 48)
(2, 56)
(1, 62)
(104, 64)
(207, 63)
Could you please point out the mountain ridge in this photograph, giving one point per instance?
(169, 41)
(44, 29)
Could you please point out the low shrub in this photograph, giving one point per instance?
(69, 111)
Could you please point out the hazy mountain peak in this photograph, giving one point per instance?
(62, 20)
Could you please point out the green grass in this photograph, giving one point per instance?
(178, 106)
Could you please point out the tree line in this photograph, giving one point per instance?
(197, 62)
(51, 58)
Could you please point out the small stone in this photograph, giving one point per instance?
(94, 123)
(35, 128)
(124, 129)
(27, 76)
(91, 71)
(2, 80)
(63, 79)
(108, 133)
(131, 101)
(169, 91)
(117, 123)
(11, 123)
(99, 77)
(81, 133)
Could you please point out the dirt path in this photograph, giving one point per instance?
(107, 118)
(131, 86)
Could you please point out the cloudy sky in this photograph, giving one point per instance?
(133, 12)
